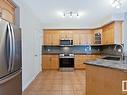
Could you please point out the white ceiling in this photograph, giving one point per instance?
(96, 12)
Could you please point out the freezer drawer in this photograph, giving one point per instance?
(12, 85)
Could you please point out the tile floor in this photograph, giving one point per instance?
(58, 83)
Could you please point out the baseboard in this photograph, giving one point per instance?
(32, 79)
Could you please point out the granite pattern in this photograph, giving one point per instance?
(120, 65)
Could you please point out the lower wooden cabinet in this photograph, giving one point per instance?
(50, 62)
(104, 81)
(80, 59)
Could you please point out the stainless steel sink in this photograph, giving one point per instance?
(112, 58)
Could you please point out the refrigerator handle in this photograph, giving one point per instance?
(11, 49)
(14, 47)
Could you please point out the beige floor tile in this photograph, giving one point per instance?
(58, 83)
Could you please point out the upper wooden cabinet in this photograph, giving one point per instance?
(112, 33)
(65, 34)
(7, 10)
(97, 36)
(108, 34)
(76, 39)
(83, 37)
(79, 37)
(51, 37)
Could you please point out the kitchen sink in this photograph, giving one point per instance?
(112, 58)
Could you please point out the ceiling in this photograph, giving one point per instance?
(96, 12)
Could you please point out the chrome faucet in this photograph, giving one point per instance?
(122, 51)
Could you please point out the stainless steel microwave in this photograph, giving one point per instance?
(66, 42)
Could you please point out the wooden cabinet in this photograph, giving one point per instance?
(112, 33)
(97, 36)
(47, 38)
(55, 39)
(83, 37)
(51, 38)
(7, 10)
(80, 59)
(104, 81)
(86, 38)
(50, 62)
(79, 37)
(76, 39)
(65, 34)
(46, 62)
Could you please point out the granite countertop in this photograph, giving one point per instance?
(54, 53)
(120, 65)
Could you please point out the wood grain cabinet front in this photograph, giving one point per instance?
(81, 59)
(50, 62)
(7, 10)
(51, 37)
(112, 33)
(104, 81)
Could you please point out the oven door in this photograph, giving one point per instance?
(66, 62)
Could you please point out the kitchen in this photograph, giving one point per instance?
(68, 47)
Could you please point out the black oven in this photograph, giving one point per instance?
(66, 62)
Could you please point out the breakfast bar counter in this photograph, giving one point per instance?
(106, 77)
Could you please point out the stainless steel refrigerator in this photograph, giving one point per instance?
(10, 59)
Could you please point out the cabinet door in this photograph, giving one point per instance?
(108, 34)
(47, 38)
(97, 36)
(54, 62)
(76, 40)
(46, 62)
(56, 39)
(62, 35)
(79, 60)
(8, 11)
(7, 15)
(69, 35)
(83, 39)
(90, 38)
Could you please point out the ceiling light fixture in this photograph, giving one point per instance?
(117, 3)
(71, 14)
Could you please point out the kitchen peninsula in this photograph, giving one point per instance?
(104, 77)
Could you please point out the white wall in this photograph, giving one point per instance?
(125, 33)
(30, 26)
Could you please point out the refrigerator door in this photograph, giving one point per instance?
(5, 48)
(11, 84)
(17, 58)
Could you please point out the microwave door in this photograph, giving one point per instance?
(5, 48)
(17, 60)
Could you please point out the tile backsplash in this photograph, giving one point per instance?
(87, 49)
(112, 49)
(71, 49)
